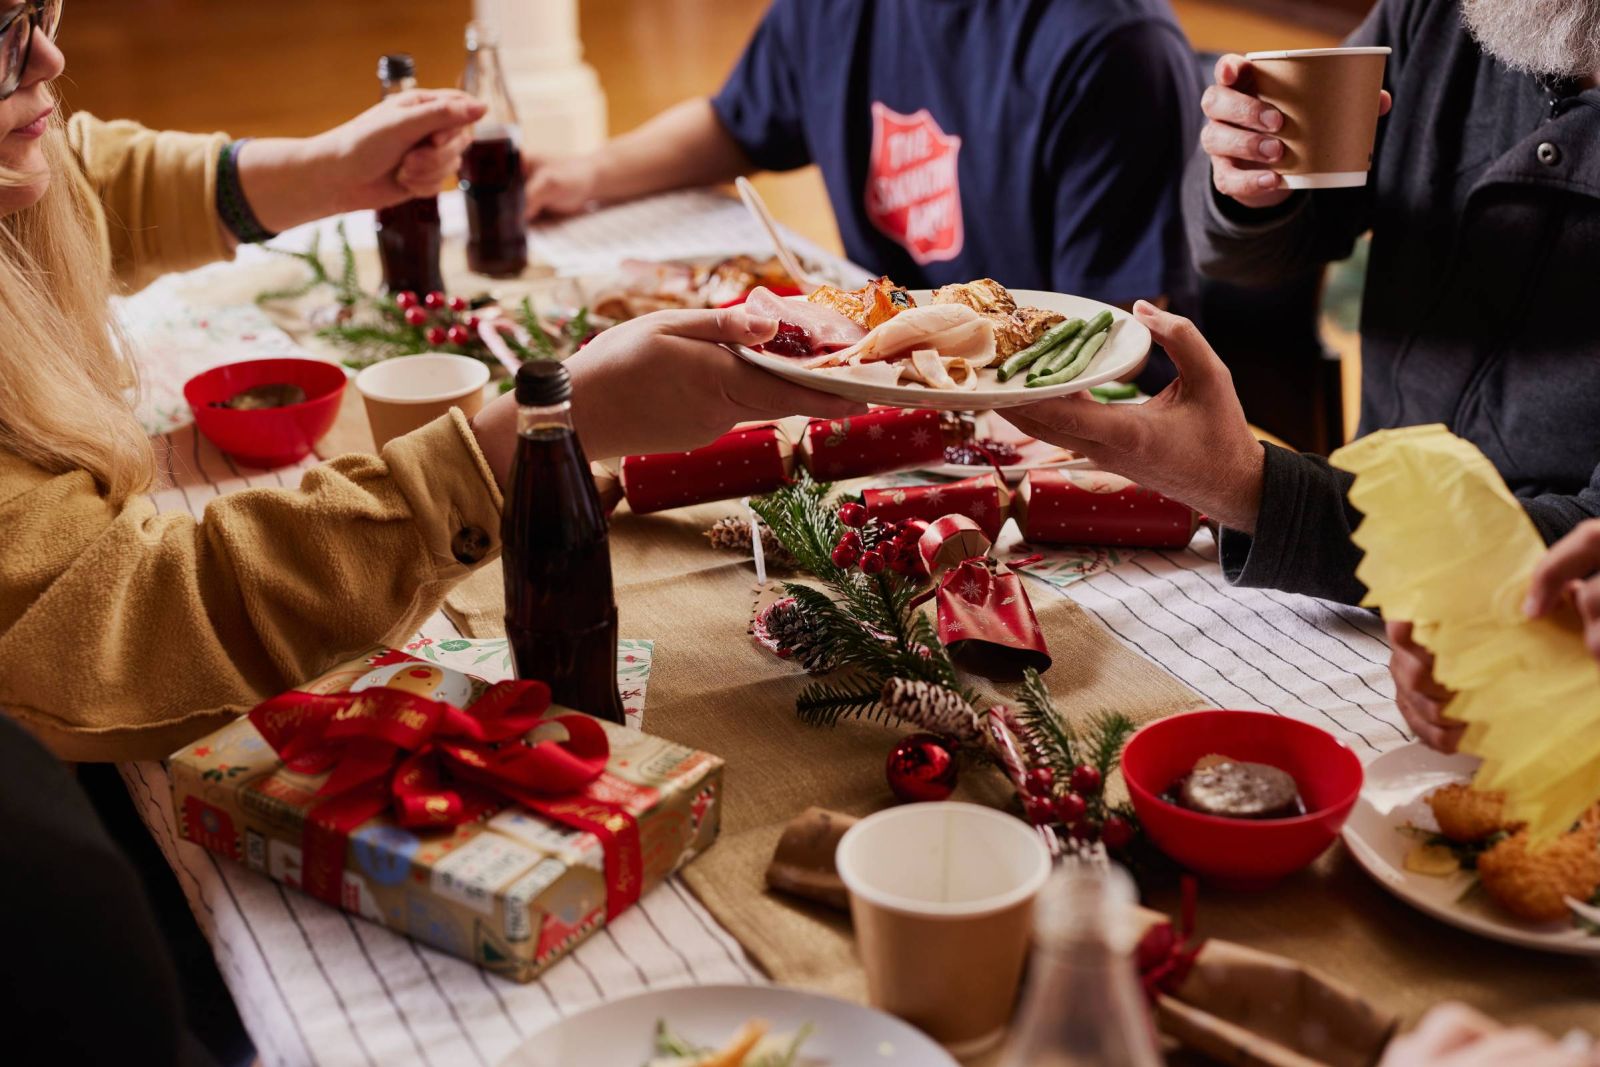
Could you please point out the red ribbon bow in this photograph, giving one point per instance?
(1166, 954)
(434, 765)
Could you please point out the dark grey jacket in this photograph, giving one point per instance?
(1482, 303)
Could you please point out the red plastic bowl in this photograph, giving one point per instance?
(1241, 853)
(270, 437)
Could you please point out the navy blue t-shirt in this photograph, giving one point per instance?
(1037, 142)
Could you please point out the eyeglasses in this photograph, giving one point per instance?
(17, 28)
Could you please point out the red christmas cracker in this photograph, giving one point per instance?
(982, 498)
(1095, 508)
(882, 440)
(984, 616)
(743, 462)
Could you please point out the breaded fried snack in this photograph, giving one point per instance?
(1533, 885)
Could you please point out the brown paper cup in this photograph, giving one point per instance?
(942, 900)
(408, 392)
(1329, 100)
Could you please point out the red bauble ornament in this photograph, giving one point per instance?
(405, 300)
(1070, 808)
(853, 515)
(871, 561)
(845, 554)
(458, 335)
(436, 335)
(458, 304)
(434, 300)
(1086, 780)
(1039, 811)
(472, 323)
(415, 316)
(1117, 832)
(1041, 780)
(921, 767)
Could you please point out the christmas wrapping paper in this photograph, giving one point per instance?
(882, 440)
(1095, 508)
(984, 615)
(982, 498)
(510, 889)
(744, 462)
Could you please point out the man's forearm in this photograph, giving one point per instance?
(682, 147)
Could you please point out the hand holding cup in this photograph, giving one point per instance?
(1251, 138)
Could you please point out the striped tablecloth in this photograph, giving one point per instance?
(317, 986)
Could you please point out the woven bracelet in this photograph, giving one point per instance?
(232, 205)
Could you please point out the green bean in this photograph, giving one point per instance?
(1114, 391)
(1075, 368)
(1062, 357)
(1048, 342)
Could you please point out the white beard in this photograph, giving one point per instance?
(1559, 38)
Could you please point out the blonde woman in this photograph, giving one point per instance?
(124, 634)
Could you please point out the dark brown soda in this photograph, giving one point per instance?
(408, 244)
(491, 178)
(561, 614)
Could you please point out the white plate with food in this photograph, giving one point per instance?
(969, 347)
(749, 1026)
(1424, 853)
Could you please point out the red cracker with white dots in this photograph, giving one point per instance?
(1095, 508)
(743, 462)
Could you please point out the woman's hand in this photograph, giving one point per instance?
(1570, 573)
(1421, 699)
(563, 186)
(1454, 1035)
(404, 147)
(1190, 443)
(663, 382)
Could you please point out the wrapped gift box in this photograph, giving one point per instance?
(510, 890)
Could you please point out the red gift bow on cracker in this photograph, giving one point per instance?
(434, 765)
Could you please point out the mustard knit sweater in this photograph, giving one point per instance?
(125, 634)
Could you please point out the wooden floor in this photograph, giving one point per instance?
(297, 66)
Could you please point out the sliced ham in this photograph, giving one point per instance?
(826, 331)
(955, 331)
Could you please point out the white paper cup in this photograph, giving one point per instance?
(1329, 98)
(408, 392)
(942, 900)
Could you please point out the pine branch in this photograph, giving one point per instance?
(312, 259)
(825, 703)
(1108, 735)
(1047, 731)
(543, 346)
(370, 344)
(349, 278)
(578, 328)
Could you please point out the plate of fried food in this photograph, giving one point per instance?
(974, 346)
(730, 1026)
(1429, 837)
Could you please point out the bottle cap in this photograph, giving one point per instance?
(543, 383)
(396, 67)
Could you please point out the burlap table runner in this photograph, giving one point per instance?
(714, 689)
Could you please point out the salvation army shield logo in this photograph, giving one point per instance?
(913, 194)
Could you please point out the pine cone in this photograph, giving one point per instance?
(931, 707)
(733, 534)
(791, 629)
